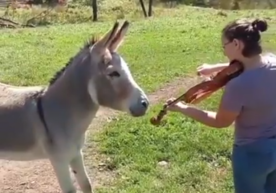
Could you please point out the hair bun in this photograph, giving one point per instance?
(260, 25)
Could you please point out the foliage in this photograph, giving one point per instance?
(79, 11)
(227, 4)
(73, 13)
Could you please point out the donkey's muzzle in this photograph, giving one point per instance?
(139, 109)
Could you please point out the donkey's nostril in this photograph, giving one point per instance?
(145, 103)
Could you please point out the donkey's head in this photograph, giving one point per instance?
(113, 85)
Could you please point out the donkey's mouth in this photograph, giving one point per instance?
(138, 113)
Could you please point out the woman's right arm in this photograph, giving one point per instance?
(210, 69)
(220, 66)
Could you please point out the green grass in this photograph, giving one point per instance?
(169, 46)
(198, 157)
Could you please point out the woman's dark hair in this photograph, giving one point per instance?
(247, 31)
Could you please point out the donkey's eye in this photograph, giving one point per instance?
(114, 74)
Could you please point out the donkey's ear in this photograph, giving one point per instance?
(118, 39)
(106, 40)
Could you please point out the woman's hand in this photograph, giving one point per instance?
(175, 107)
(206, 70)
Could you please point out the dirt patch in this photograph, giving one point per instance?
(38, 176)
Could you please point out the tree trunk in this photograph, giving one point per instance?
(150, 8)
(143, 8)
(94, 10)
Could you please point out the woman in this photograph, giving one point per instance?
(248, 100)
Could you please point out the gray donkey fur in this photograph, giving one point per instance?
(50, 123)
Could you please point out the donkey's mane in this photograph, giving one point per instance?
(58, 74)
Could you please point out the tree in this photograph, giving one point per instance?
(144, 9)
(150, 8)
(94, 10)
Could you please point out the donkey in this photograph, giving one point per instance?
(51, 122)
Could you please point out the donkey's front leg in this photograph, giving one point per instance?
(62, 172)
(78, 168)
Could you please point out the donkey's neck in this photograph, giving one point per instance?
(68, 97)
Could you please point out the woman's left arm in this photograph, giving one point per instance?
(230, 106)
(222, 118)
